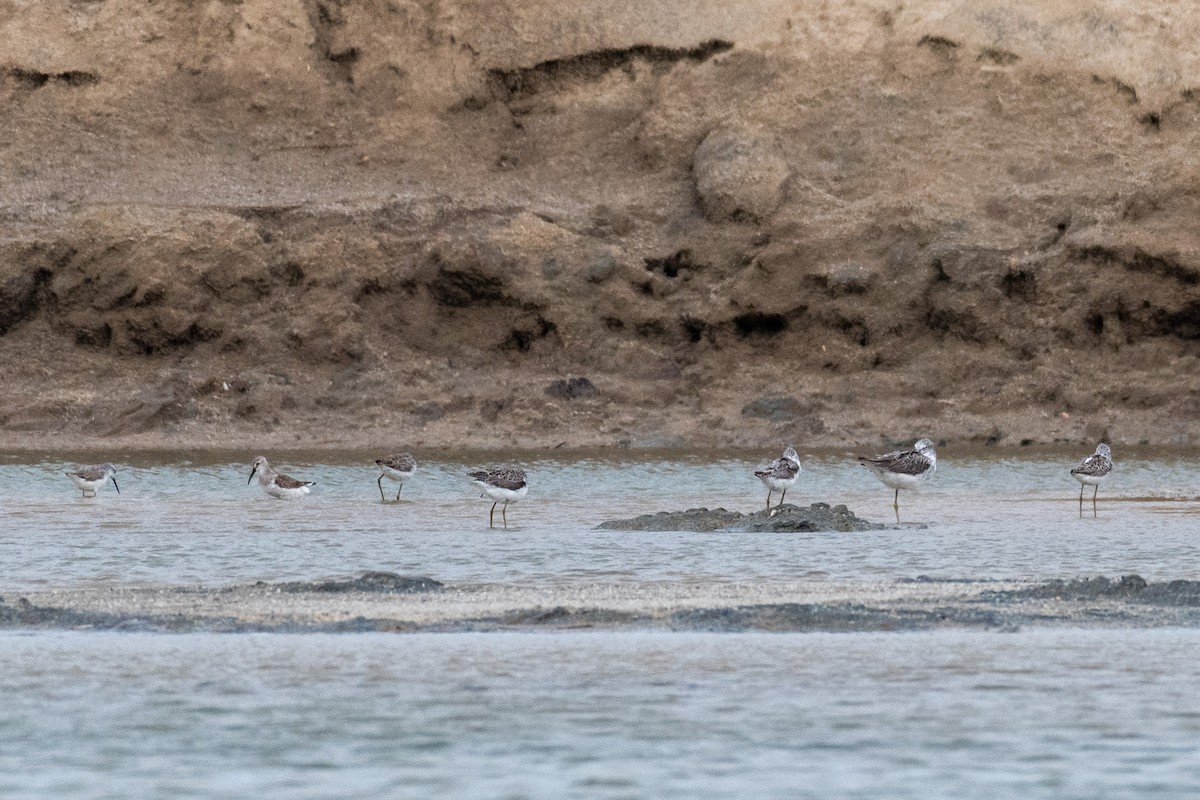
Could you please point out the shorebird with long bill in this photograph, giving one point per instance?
(90, 478)
(276, 484)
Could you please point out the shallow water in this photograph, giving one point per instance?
(1065, 714)
(1060, 712)
(199, 523)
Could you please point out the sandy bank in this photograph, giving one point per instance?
(300, 222)
(776, 605)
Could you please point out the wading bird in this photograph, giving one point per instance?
(398, 467)
(90, 478)
(780, 474)
(904, 469)
(1092, 471)
(276, 484)
(503, 485)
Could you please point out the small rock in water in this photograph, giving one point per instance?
(694, 519)
(817, 517)
(377, 582)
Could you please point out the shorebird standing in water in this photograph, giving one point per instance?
(276, 484)
(1092, 471)
(904, 469)
(91, 478)
(503, 485)
(398, 467)
(780, 474)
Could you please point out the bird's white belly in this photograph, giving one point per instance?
(1089, 480)
(504, 495)
(286, 494)
(897, 480)
(85, 485)
(395, 474)
(778, 484)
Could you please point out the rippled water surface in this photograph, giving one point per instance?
(198, 522)
(1074, 714)
(1049, 713)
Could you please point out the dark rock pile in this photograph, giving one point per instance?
(375, 582)
(817, 517)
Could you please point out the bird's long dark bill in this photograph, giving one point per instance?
(251, 476)
(118, 488)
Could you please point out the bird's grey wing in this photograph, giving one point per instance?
(401, 462)
(288, 482)
(507, 478)
(1096, 466)
(784, 468)
(769, 471)
(907, 462)
(89, 473)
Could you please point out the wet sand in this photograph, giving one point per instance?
(701, 606)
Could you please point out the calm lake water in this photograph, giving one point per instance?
(1056, 713)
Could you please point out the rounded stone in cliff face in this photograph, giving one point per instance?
(775, 409)
(601, 267)
(739, 175)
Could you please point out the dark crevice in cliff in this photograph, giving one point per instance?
(755, 323)
(33, 79)
(516, 84)
(21, 296)
(941, 46)
(670, 266)
(326, 17)
(1138, 260)
(522, 339)
(1126, 90)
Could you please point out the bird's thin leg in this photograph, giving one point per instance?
(1094, 493)
(382, 499)
(781, 498)
(768, 499)
(504, 515)
(398, 493)
(1081, 499)
(896, 505)
(491, 516)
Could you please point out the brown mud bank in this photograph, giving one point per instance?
(621, 224)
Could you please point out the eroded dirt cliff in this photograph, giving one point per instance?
(395, 223)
